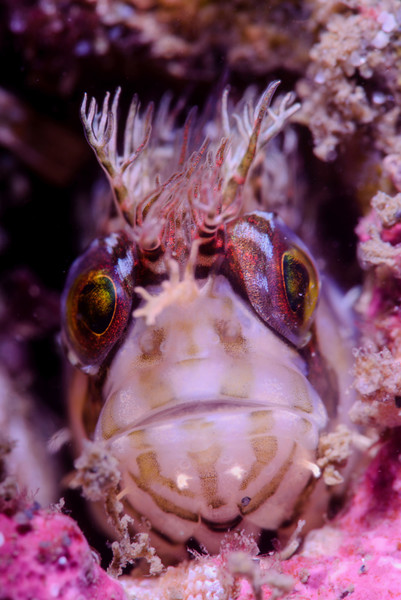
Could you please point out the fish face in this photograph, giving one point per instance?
(197, 325)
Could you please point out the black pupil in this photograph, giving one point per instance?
(96, 304)
(296, 279)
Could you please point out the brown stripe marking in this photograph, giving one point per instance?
(238, 381)
(165, 505)
(264, 449)
(154, 388)
(306, 426)
(270, 488)
(149, 474)
(264, 446)
(109, 426)
(131, 510)
(150, 343)
(205, 462)
(230, 336)
(302, 398)
(262, 421)
(138, 439)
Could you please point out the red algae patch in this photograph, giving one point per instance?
(359, 553)
(44, 555)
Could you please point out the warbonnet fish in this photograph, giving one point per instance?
(213, 358)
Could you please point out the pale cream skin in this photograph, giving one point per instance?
(211, 417)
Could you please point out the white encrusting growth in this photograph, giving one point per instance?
(174, 291)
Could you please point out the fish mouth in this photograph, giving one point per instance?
(193, 409)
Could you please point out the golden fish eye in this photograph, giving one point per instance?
(97, 300)
(300, 283)
(97, 303)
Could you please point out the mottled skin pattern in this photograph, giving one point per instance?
(200, 370)
(212, 418)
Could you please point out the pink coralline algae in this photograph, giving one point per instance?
(44, 555)
(359, 553)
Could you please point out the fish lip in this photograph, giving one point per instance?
(194, 408)
(197, 408)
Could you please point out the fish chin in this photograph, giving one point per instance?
(212, 464)
(212, 420)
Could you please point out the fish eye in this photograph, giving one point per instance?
(300, 283)
(97, 300)
(272, 269)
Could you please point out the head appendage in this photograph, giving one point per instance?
(101, 133)
(160, 187)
